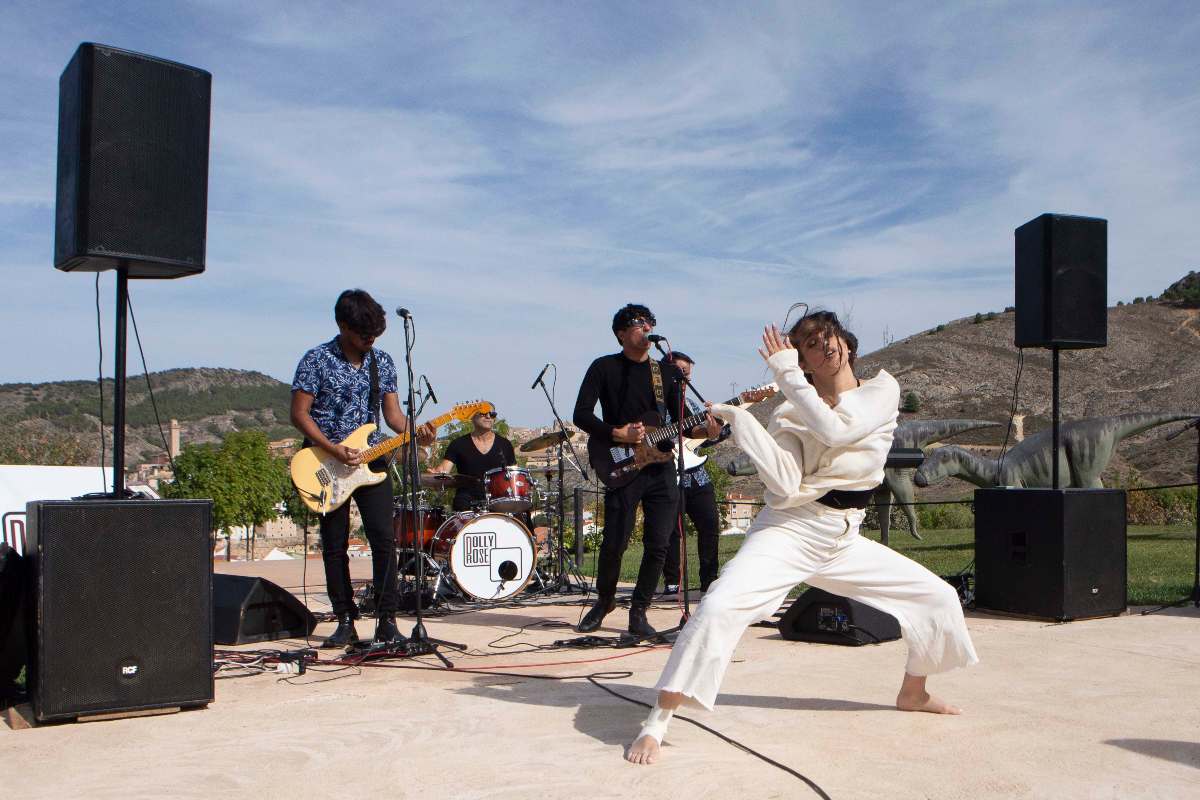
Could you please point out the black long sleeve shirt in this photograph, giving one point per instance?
(625, 391)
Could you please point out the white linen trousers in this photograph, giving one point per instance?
(820, 546)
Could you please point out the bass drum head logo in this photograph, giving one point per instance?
(492, 557)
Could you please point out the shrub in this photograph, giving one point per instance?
(978, 318)
(1120, 302)
(991, 315)
(1009, 309)
(1137, 300)
(912, 403)
(942, 517)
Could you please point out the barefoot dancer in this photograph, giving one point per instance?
(820, 459)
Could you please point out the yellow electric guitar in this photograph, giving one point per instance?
(325, 483)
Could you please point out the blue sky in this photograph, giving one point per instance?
(515, 172)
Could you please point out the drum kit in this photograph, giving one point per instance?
(491, 552)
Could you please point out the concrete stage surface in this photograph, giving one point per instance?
(1106, 708)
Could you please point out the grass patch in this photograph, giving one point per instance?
(1160, 558)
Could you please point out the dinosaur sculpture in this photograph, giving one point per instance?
(1087, 445)
(899, 482)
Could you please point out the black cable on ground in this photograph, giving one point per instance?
(592, 679)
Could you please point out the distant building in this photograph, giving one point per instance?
(740, 509)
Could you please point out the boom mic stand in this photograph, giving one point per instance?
(419, 642)
(564, 581)
(679, 470)
(1194, 597)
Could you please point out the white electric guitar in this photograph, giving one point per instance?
(693, 459)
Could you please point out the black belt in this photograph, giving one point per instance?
(842, 499)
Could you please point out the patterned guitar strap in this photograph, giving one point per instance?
(659, 399)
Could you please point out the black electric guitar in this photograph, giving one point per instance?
(617, 464)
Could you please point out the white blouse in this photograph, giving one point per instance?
(809, 448)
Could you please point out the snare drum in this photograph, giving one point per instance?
(404, 523)
(491, 555)
(508, 489)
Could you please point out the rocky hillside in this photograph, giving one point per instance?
(207, 402)
(966, 368)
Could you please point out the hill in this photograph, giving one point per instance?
(208, 403)
(964, 368)
(967, 368)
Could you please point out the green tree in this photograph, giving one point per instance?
(912, 403)
(245, 482)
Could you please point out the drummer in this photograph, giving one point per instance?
(473, 456)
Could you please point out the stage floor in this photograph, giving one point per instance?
(1098, 709)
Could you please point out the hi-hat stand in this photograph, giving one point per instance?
(566, 580)
(1194, 596)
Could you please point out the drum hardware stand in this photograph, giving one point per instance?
(564, 581)
(419, 641)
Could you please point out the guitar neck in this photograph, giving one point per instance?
(388, 445)
(687, 423)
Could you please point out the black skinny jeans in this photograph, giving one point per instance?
(655, 488)
(375, 505)
(700, 504)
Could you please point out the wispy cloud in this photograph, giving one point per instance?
(515, 172)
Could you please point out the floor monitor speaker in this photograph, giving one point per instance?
(818, 616)
(249, 609)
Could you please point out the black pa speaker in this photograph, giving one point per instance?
(1062, 282)
(132, 164)
(818, 616)
(119, 603)
(248, 609)
(12, 623)
(1051, 553)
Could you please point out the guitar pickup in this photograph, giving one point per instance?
(323, 477)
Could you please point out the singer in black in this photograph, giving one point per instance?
(331, 397)
(699, 502)
(624, 385)
(474, 455)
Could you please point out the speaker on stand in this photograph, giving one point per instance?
(1052, 552)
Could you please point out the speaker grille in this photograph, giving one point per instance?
(123, 598)
(133, 163)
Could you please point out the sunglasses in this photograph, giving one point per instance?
(491, 414)
(638, 322)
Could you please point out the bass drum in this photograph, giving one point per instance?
(491, 555)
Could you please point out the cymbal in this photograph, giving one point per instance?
(443, 480)
(545, 440)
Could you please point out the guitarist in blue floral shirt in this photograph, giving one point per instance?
(340, 386)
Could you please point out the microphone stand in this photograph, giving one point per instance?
(419, 642)
(1194, 597)
(681, 415)
(563, 582)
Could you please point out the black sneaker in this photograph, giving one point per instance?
(671, 588)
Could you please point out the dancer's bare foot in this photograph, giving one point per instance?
(643, 751)
(925, 702)
(914, 697)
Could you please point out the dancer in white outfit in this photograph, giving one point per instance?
(822, 455)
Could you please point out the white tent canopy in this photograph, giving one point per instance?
(21, 484)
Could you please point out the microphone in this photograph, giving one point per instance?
(429, 386)
(404, 312)
(541, 375)
(654, 338)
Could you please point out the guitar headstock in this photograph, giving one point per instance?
(758, 393)
(464, 411)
